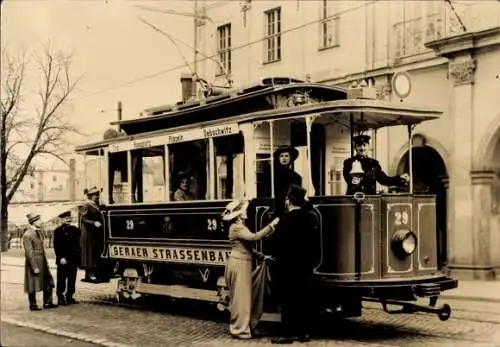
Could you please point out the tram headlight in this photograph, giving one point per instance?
(404, 243)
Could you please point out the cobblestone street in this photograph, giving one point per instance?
(104, 322)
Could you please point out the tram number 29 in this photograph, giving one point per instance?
(212, 224)
(401, 218)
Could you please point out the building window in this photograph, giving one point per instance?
(224, 49)
(272, 40)
(329, 25)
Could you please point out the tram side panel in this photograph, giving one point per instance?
(397, 217)
(169, 244)
(401, 215)
(426, 255)
(348, 238)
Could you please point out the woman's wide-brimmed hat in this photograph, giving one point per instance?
(32, 217)
(234, 209)
(286, 148)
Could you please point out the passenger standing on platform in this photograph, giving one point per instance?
(92, 235)
(293, 237)
(284, 175)
(37, 276)
(238, 272)
(67, 250)
(368, 171)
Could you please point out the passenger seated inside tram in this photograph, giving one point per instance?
(183, 193)
(361, 173)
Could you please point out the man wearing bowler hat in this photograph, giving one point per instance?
(284, 175)
(293, 252)
(362, 173)
(67, 250)
(37, 276)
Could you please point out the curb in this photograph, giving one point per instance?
(469, 298)
(75, 336)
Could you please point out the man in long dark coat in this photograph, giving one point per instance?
(92, 235)
(293, 252)
(67, 250)
(362, 173)
(37, 276)
(284, 175)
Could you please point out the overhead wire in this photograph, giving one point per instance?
(174, 38)
(245, 45)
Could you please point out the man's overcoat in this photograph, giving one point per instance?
(35, 259)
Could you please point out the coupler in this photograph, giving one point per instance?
(443, 312)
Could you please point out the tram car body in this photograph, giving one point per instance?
(367, 248)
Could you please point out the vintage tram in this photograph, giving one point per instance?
(375, 248)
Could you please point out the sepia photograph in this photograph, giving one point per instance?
(219, 173)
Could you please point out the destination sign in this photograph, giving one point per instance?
(181, 136)
(186, 255)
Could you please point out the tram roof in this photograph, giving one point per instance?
(364, 114)
(229, 104)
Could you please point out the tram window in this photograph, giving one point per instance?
(118, 177)
(336, 183)
(263, 176)
(188, 165)
(229, 167)
(148, 174)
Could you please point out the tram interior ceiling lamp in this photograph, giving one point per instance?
(404, 243)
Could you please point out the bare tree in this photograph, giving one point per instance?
(27, 132)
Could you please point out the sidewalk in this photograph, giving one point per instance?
(14, 259)
(475, 290)
(488, 291)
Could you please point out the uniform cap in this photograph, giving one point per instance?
(360, 139)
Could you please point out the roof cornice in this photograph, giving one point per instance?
(465, 43)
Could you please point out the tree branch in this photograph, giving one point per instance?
(49, 127)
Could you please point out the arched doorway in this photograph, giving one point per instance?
(430, 177)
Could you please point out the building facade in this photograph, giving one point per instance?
(49, 185)
(451, 53)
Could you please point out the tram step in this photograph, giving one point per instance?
(178, 291)
(428, 289)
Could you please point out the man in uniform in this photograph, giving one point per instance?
(365, 180)
(67, 250)
(37, 276)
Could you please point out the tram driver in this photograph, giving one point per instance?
(362, 173)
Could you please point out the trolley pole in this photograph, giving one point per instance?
(195, 67)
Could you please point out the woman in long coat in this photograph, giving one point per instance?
(238, 273)
(37, 276)
(92, 236)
